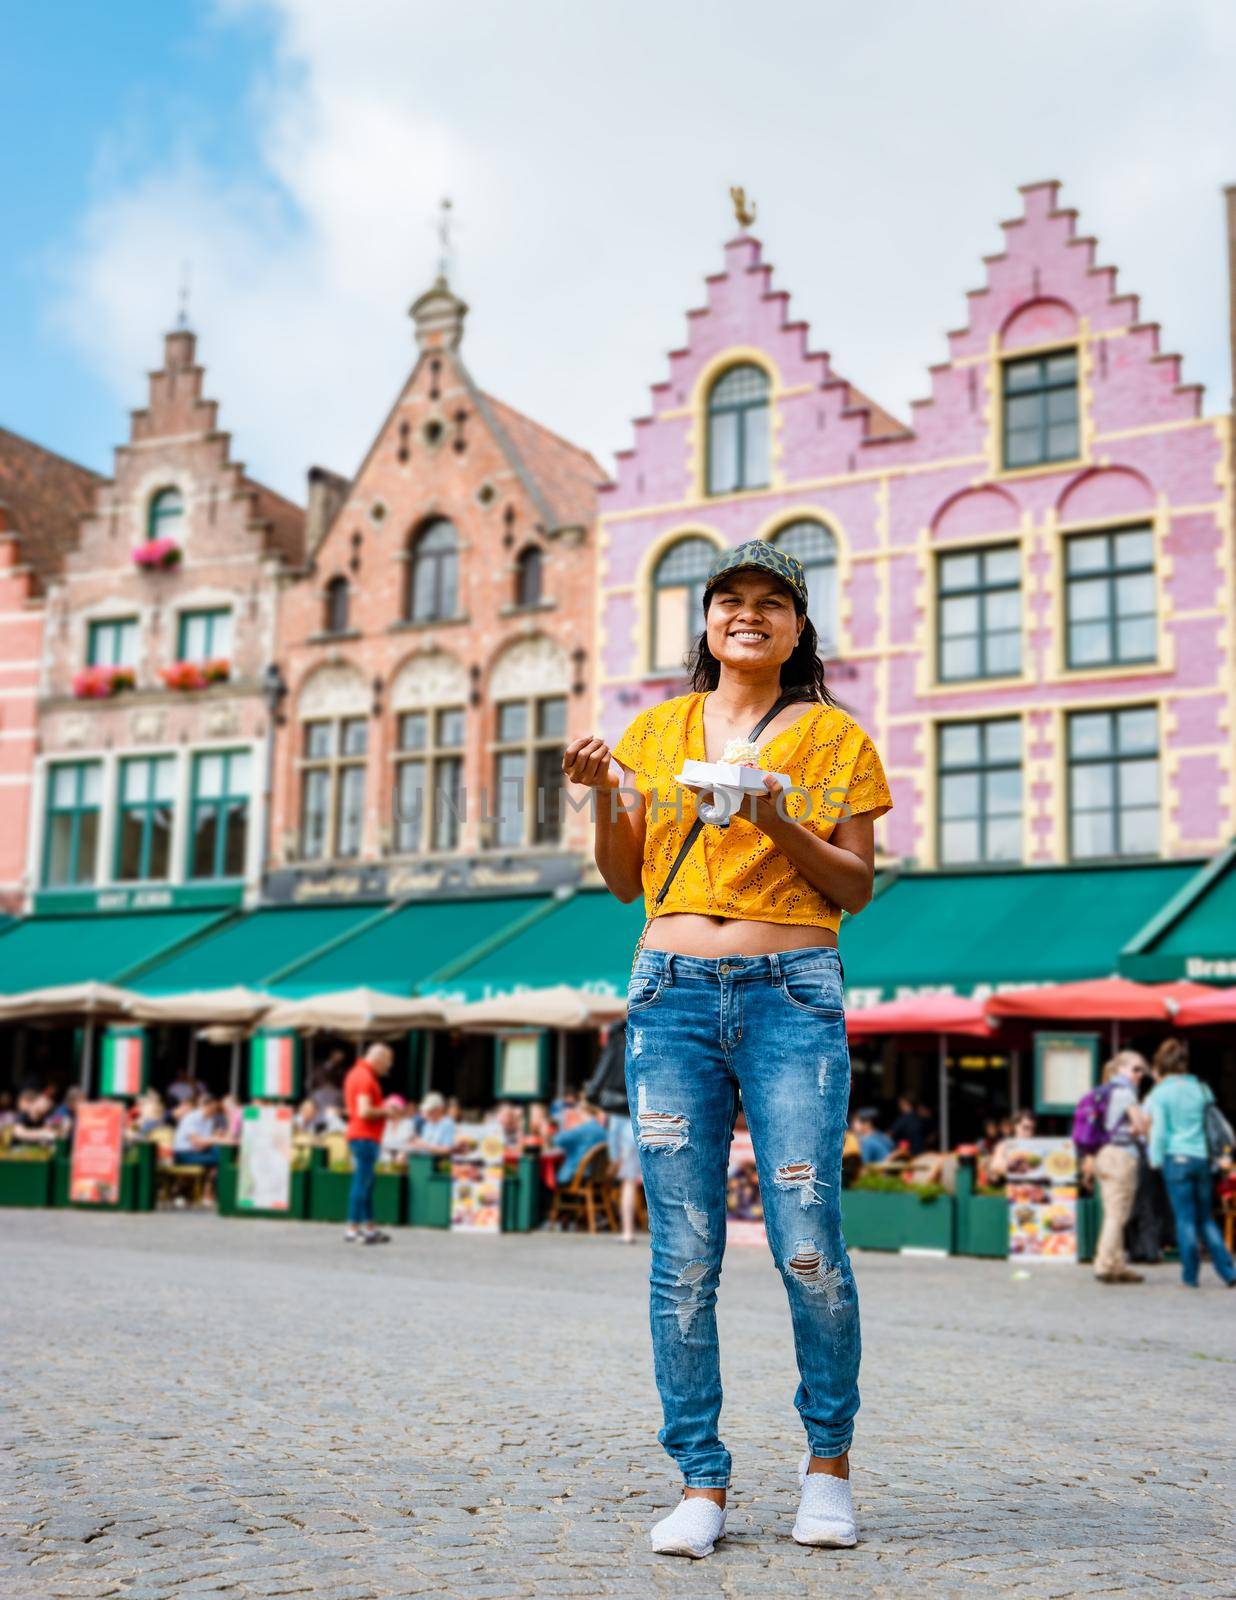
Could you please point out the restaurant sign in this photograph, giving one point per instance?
(141, 897)
(456, 878)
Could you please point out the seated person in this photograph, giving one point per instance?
(149, 1113)
(198, 1134)
(576, 1141)
(437, 1132)
(510, 1119)
(541, 1127)
(403, 1125)
(873, 1145)
(305, 1121)
(34, 1124)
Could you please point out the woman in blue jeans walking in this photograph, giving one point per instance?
(736, 997)
(1178, 1147)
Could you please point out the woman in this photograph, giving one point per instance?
(1118, 1162)
(737, 990)
(1177, 1107)
(1023, 1126)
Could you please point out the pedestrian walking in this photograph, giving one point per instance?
(367, 1119)
(1180, 1107)
(737, 990)
(607, 1088)
(1116, 1163)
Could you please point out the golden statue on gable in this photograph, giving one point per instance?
(744, 213)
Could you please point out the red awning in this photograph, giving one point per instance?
(1213, 1006)
(920, 1013)
(1097, 1000)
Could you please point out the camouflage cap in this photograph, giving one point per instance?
(759, 555)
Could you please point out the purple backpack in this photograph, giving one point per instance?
(1090, 1120)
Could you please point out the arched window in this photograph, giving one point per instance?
(433, 573)
(338, 605)
(678, 599)
(816, 547)
(738, 454)
(163, 520)
(529, 571)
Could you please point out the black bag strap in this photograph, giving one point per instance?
(694, 830)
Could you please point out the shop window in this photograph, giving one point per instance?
(979, 792)
(1110, 608)
(165, 515)
(332, 787)
(678, 600)
(205, 635)
(1040, 410)
(144, 819)
(738, 431)
(429, 779)
(529, 573)
(71, 834)
(219, 814)
(527, 798)
(338, 605)
(112, 643)
(433, 573)
(816, 547)
(979, 613)
(1113, 759)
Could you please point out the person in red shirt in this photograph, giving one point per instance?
(367, 1117)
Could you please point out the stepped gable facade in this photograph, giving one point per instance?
(1025, 590)
(438, 649)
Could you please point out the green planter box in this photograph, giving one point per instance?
(26, 1180)
(981, 1220)
(225, 1190)
(521, 1196)
(429, 1191)
(328, 1196)
(874, 1221)
(137, 1180)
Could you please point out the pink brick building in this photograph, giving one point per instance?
(1028, 589)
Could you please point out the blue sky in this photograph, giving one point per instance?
(296, 150)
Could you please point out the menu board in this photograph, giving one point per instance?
(476, 1178)
(94, 1170)
(265, 1179)
(1042, 1195)
(744, 1209)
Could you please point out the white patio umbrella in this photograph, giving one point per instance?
(93, 1002)
(232, 1007)
(356, 1014)
(558, 1006)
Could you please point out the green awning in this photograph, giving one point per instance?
(402, 948)
(36, 952)
(963, 932)
(249, 949)
(1194, 934)
(586, 941)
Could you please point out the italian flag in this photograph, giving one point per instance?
(124, 1063)
(272, 1064)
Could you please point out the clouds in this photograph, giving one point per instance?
(589, 149)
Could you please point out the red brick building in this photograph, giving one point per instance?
(152, 724)
(41, 498)
(438, 649)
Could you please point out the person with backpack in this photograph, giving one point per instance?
(1109, 1127)
(1190, 1139)
(607, 1088)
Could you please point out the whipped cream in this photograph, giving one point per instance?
(741, 753)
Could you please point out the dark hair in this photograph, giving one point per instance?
(1171, 1057)
(802, 670)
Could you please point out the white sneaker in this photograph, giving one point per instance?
(825, 1510)
(691, 1529)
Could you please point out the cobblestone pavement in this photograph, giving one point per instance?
(197, 1407)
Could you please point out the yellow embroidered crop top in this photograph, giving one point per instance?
(738, 871)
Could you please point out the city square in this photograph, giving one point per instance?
(199, 1407)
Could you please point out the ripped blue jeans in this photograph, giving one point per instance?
(700, 1034)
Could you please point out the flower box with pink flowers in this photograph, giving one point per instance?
(185, 675)
(157, 555)
(100, 683)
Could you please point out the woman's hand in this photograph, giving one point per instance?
(586, 761)
(765, 809)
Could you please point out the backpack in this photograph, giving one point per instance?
(1090, 1120)
(1220, 1140)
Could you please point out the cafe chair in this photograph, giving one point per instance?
(588, 1195)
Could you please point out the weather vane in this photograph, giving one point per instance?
(744, 213)
(182, 313)
(444, 239)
